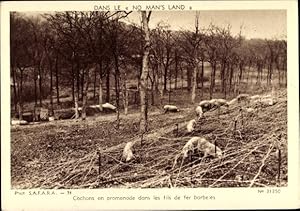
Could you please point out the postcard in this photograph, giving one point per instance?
(149, 105)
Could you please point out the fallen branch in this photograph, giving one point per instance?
(261, 166)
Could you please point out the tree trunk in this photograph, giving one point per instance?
(247, 79)
(261, 73)
(226, 79)
(57, 82)
(202, 78)
(176, 69)
(152, 93)
(35, 88)
(251, 75)
(15, 90)
(182, 78)
(189, 79)
(271, 72)
(76, 104)
(240, 78)
(78, 80)
(51, 88)
(160, 84)
(100, 86)
(257, 75)
(117, 86)
(230, 78)
(165, 78)
(212, 80)
(140, 73)
(268, 73)
(223, 78)
(241, 72)
(82, 85)
(235, 80)
(21, 95)
(40, 84)
(144, 75)
(170, 86)
(107, 85)
(84, 97)
(154, 84)
(194, 82)
(136, 93)
(279, 75)
(76, 94)
(198, 80)
(73, 82)
(125, 93)
(249, 71)
(94, 88)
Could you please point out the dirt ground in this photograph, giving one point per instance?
(86, 154)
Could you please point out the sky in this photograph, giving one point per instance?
(255, 23)
(270, 24)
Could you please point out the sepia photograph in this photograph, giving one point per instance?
(148, 99)
(149, 105)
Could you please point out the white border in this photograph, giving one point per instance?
(232, 198)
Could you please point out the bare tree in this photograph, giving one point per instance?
(145, 72)
(21, 47)
(212, 45)
(196, 59)
(191, 43)
(227, 44)
(84, 97)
